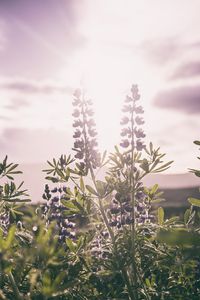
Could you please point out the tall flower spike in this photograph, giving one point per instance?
(132, 134)
(85, 143)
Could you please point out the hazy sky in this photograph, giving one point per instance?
(47, 47)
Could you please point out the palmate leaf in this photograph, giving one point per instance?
(163, 167)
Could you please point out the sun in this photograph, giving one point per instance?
(106, 74)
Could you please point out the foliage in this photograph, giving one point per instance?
(98, 237)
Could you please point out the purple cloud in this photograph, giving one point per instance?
(42, 35)
(185, 99)
(31, 87)
(187, 70)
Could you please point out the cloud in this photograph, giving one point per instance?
(160, 50)
(34, 87)
(2, 35)
(171, 49)
(184, 99)
(4, 118)
(42, 36)
(187, 70)
(17, 103)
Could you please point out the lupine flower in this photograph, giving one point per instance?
(76, 113)
(132, 133)
(54, 210)
(77, 134)
(125, 143)
(121, 211)
(139, 120)
(139, 133)
(139, 145)
(47, 194)
(85, 143)
(124, 121)
(5, 221)
(139, 110)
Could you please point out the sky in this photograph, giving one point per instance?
(50, 47)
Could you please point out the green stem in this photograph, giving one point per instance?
(129, 288)
(124, 272)
(132, 186)
(14, 286)
(106, 221)
(144, 286)
(102, 208)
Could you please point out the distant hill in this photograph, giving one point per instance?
(171, 181)
(179, 197)
(177, 187)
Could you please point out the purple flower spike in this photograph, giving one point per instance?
(131, 119)
(125, 144)
(139, 120)
(139, 133)
(124, 121)
(85, 143)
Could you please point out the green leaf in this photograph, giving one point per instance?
(6, 189)
(154, 188)
(151, 147)
(50, 163)
(194, 201)
(71, 206)
(145, 165)
(101, 187)
(5, 160)
(156, 201)
(171, 220)
(10, 238)
(12, 168)
(147, 281)
(161, 216)
(71, 245)
(163, 167)
(9, 177)
(91, 190)
(103, 157)
(67, 173)
(82, 185)
(187, 216)
(53, 179)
